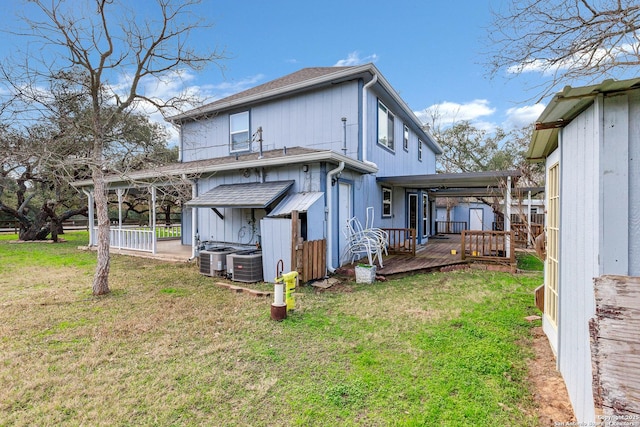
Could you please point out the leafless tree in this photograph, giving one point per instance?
(116, 51)
(567, 40)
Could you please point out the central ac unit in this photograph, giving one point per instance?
(213, 262)
(247, 266)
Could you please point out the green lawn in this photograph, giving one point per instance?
(167, 347)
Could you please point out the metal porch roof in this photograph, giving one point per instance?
(246, 195)
(487, 183)
(300, 202)
(566, 106)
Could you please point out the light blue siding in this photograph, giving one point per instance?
(312, 120)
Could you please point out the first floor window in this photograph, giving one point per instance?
(239, 131)
(386, 202)
(385, 126)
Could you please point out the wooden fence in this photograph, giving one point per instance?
(401, 240)
(494, 246)
(308, 257)
(312, 260)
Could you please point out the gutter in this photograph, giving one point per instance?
(329, 212)
(200, 166)
(365, 124)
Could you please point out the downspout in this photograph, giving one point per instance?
(329, 212)
(365, 124)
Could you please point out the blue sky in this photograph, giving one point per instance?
(430, 51)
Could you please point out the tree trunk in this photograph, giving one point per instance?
(167, 213)
(101, 277)
(39, 229)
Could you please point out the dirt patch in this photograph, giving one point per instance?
(550, 393)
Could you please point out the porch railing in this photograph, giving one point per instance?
(135, 239)
(140, 238)
(401, 240)
(488, 245)
(450, 227)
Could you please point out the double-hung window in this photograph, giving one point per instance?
(385, 126)
(386, 202)
(239, 135)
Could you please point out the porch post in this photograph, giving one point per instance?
(119, 192)
(154, 238)
(90, 218)
(507, 215)
(194, 220)
(529, 237)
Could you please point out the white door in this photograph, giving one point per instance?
(345, 212)
(476, 217)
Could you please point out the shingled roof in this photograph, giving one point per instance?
(279, 85)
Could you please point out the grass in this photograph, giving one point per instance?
(166, 347)
(529, 262)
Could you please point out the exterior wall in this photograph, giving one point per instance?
(461, 212)
(634, 183)
(312, 120)
(238, 226)
(578, 260)
(396, 162)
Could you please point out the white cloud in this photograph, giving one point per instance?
(580, 60)
(523, 116)
(353, 58)
(450, 112)
(181, 84)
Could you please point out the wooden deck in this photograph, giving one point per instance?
(431, 256)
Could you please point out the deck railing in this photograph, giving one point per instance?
(450, 227)
(488, 245)
(401, 240)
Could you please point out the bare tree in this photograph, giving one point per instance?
(115, 51)
(566, 39)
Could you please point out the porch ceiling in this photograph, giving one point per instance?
(470, 184)
(246, 195)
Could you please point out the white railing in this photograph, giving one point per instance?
(135, 239)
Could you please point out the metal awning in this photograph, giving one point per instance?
(300, 202)
(249, 195)
(476, 184)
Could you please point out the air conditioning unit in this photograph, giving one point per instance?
(247, 266)
(213, 262)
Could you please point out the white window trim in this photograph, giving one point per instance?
(390, 118)
(387, 202)
(405, 137)
(232, 149)
(419, 150)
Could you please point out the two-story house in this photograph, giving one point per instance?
(314, 141)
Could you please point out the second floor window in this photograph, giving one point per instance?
(419, 150)
(385, 126)
(405, 139)
(239, 131)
